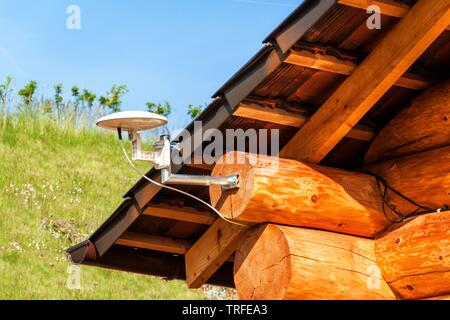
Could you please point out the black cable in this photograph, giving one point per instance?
(384, 187)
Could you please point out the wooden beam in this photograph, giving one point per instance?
(211, 251)
(323, 62)
(283, 117)
(388, 7)
(152, 242)
(181, 214)
(275, 115)
(399, 49)
(279, 262)
(332, 64)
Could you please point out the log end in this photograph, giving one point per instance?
(256, 275)
(231, 203)
(278, 262)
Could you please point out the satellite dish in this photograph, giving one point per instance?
(132, 121)
(136, 121)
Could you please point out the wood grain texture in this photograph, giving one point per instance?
(294, 193)
(422, 177)
(279, 262)
(424, 125)
(332, 64)
(181, 214)
(211, 251)
(280, 116)
(415, 258)
(446, 297)
(390, 8)
(152, 242)
(398, 50)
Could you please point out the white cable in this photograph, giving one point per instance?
(175, 189)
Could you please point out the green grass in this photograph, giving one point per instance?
(57, 185)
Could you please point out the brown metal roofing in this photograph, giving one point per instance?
(320, 26)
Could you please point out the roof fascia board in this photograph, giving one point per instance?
(266, 62)
(298, 23)
(106, 238)
(108, 233)
(275, 51)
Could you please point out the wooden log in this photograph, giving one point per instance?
(279, 262)
(423, 177)
(298, 194)
(446, 297)
(424, 125)
(415, 258)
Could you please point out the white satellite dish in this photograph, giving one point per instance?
(132, 121)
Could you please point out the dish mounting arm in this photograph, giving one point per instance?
(161, 159)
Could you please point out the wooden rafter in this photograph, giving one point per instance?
(401, 47)
(332, 64)
(388, 7)
(280, 116)
(181, 214)
(152, 242)
(211, 251)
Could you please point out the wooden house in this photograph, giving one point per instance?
(358, 208)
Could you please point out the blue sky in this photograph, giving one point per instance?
(176, 50)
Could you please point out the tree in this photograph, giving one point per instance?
(75, 92)
(58, 98)
(113, 98)
(27, 93)
(194, 111)
(76, 95)
(89, 98)
(164, 109)
(5, 92)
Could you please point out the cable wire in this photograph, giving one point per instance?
(383, 186)
(175, 189)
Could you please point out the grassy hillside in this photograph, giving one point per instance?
(56, 186)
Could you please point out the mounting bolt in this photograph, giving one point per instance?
(233, 183)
